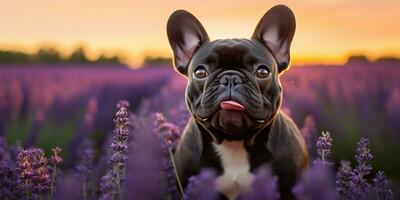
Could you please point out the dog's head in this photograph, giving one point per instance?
(234, 89)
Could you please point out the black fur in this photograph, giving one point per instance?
(231, 64)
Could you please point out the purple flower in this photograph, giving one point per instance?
(7, 174)
(315, 184)
(6, 179)
(309, 133)
(351, 183)
(264, 186)
(32, 171)
(144, 180)
(363, 157)
(201, 186)
(119, 148)
(85, 163)
(168, 131)
(360, 188)
(324, 146)
(344, 179)
(380, 187)
(85, 166)
(55, 161)
(107, 186)
(169, 135)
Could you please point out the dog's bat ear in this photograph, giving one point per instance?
(275, 31)
(185, 35)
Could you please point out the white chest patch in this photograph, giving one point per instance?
(236, 178)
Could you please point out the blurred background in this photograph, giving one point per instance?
(64, 66)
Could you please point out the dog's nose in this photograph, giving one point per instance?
(230, 80)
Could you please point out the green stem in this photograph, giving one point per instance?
(53, 178)
(171, 155)
(26, 190)
(84, 188)
(117, 181)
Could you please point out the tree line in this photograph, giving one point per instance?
(53, 56)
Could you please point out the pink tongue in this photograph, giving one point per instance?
(231, 105)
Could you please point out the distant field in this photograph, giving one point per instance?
(63, 105)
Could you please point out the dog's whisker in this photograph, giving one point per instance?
(288, 83)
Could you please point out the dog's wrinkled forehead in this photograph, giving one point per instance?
(233, 53)
(274, 32)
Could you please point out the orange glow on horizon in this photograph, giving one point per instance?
(327, 31)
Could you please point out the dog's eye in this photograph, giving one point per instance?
(263, 71)
(200, 72)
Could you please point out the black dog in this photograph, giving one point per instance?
(234, 96)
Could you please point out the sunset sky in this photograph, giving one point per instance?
(327, 30)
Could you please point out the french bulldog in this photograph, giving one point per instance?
(234, 94)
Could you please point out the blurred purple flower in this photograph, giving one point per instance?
(68, 188)
(363, 157)
(169, 135)
(380, 187)
(202, 186)
(55, 162)
(107, 186)
(309, 133)
(55, 159)
(324, 148)
(184, 115)
(85, 165)
(169, 132)
(36, 127)
(8, 182)
(316, 183)
(344, 180)
(144, 180)
(264, 186)
(84, 168)
(83, 131)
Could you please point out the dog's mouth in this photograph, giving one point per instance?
(231, 117)
(232, 105)
(231, 121)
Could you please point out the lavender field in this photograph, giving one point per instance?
(72, 107)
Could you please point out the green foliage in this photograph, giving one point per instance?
(79, 56)
(47, 56)
(108, 60)
(153, 61)
(51, 55)
(14, 57)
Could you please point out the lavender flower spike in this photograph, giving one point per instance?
(201, 186)
(85, 164)
(363, 157)
(360, 188)
(381, 188)
(55, 161)
(32, 172)
(324, 146)
(119, 148)
(264, 186)
(169, 134)
(315, 184)
(344, 179)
